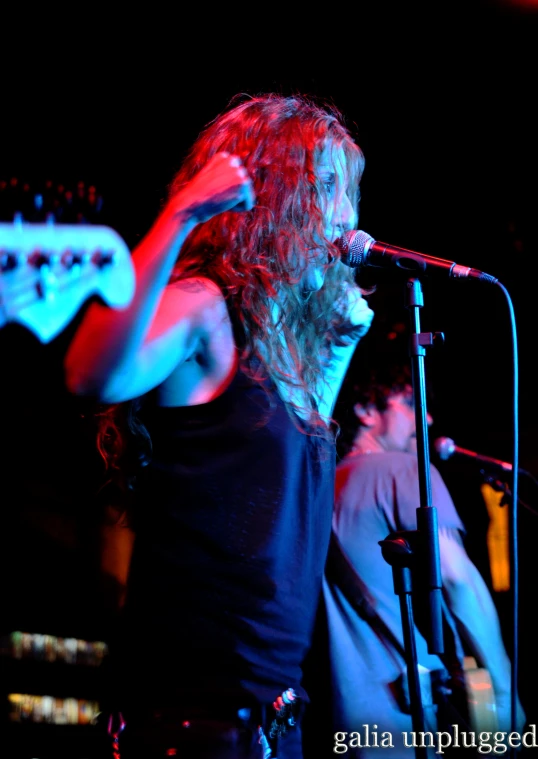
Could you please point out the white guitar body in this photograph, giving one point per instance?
(480, 697)
(48, 271)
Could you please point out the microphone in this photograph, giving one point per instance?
(446, 448)
(358, 249)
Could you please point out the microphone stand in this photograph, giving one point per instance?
(407, 550)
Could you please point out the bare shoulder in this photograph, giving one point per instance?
(195, 296)
(196, 285)
(199, 345)
(189, 311)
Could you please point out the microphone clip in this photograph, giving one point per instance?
(425, 339)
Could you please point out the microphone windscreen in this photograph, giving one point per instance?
(445, 447)
(352, 247)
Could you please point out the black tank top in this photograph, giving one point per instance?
(232, 534)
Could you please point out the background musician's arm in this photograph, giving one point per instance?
(472, 605)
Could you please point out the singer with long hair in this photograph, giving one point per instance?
(216, 388)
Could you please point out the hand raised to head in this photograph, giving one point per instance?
(223, 184)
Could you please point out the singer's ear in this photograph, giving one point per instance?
(367, 415)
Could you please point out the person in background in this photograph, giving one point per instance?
(377, 494)
(216, 388)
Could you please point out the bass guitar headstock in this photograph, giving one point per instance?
(49, 269)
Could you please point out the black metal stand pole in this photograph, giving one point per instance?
(398, 551)
(426, 513)
(419, 548)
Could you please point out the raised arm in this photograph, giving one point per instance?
(117, 354)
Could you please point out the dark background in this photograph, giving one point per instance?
(441, 99)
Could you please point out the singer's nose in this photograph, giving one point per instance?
(344, 217)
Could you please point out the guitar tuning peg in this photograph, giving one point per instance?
(38, 259)
(71, 258)
(102, 258)
(8, 261)
(39, 212)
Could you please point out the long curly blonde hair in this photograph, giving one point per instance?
(258, 257)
